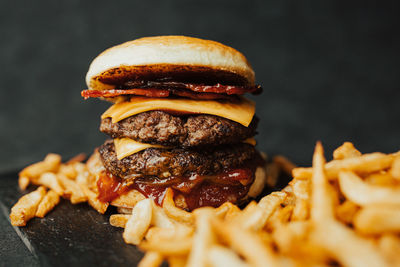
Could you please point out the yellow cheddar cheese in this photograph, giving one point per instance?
(241, 112)
(125, 147)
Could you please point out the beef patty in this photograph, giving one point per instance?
(163, 163)
(159, 127)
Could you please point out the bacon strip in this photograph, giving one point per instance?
(152, 92)
(200, 88)
(117, 92)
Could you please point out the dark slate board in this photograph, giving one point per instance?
(70, 235)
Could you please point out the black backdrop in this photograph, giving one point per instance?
(330, 69)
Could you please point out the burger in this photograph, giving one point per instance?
(178, 120)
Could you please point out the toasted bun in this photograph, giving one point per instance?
(181, 58)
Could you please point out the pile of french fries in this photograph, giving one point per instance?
(345, 212)
(70, 180)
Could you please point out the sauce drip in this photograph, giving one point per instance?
(198, 190)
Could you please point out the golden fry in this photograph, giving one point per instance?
(272, 172)
(321, 203)
(378, 219)
(356, 190)
(50, 180)
(366, 163)
(151, 259)
(284, 164)
(51, 163)
(71, 189)
(25, 208)
(49, 201)
(346, 211)
(347, 150)
(177, 261)
(395, 169)
(78, 158)
(348, 248)
(179, 247)
(139, 222)
(389, 245)
(174, 212)
(301, 190)
(219, 256)
(119, 220)
(23, 182)
(246, 243)
(202, 239)
(92, 199)
(128, 200)
(68, 170)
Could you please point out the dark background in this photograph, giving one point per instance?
(330, 69)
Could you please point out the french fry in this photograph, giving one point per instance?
(92, 199)
(272, 173)
(346, 246)
(389, 245)
(362, 194)
(139, 222)
(151, 259)
(395, 169)
(245, 243)
(124, 210)
(346, 211)
(255, 217)
(172, 211)
(177, 261)
(378, 219)
(49, 180)
(78, 158)
(51, 163)
(25, 208)
(347, 150)
(179, 246)
(48, 202)
(321, 203)
(219, 256)
(119, 220)
(366, 163)
(128, 200)
(223, 210)
(23, 182)
(381, 178)
(158, 234)
(301, 190)
(160, 219)
(232, 212)
(71, 189)
(203, 238)
(284, 164)
(68, 170)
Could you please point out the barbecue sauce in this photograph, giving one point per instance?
(198, 190)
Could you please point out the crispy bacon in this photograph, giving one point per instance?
(200, 88)
(152, 92)
(117, 92)
(167, 88)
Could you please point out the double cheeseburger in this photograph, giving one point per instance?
(178, 120)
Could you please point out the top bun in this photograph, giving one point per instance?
(179, 58)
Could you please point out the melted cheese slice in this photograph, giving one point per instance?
(125, 146)
(241, 112)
